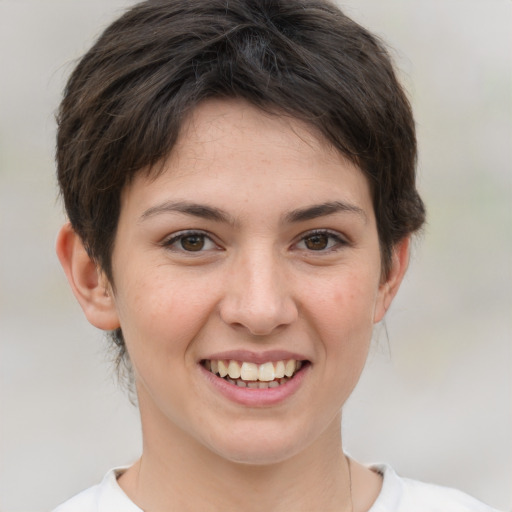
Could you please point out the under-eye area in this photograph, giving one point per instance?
(255, 376)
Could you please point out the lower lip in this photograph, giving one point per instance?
(257, 397)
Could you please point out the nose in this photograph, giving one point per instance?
(258, 295)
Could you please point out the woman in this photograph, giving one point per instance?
(240, 183)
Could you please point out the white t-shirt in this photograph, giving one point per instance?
(397, 495)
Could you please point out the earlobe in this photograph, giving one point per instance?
(389, 288)
(89, 284)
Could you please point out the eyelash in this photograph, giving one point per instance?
(334, 243)
(182, 235)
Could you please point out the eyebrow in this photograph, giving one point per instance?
(218, 215)
(321, 210)
(188, 208)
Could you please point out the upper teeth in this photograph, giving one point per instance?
(265, 372)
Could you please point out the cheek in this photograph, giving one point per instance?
(160, 315)
(346, 301)
(342, 314)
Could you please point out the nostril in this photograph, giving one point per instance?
(257, 308)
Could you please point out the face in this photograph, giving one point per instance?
(255, 253)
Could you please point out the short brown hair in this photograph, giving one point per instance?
(126, 100)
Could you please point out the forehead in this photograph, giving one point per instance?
(236, 128)
(230, 151)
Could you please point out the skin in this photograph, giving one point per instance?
(261, 281)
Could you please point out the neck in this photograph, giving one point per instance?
(177, 473)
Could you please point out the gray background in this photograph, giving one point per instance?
(435, 399)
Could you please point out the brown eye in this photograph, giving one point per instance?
(193, 242)
(190, 241)
(317, 242)
(321, 242)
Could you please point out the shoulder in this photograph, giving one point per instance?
(405, 495)
(104, 497)
(86, 501)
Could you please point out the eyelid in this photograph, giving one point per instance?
(171, 239)
(341, 240)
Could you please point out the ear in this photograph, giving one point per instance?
(88, 282)
(389, 288)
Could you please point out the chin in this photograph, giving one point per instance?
(265, 456)
(259, 447)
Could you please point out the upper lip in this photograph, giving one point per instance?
(250, 356)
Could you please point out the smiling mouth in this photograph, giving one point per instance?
(254, 376)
